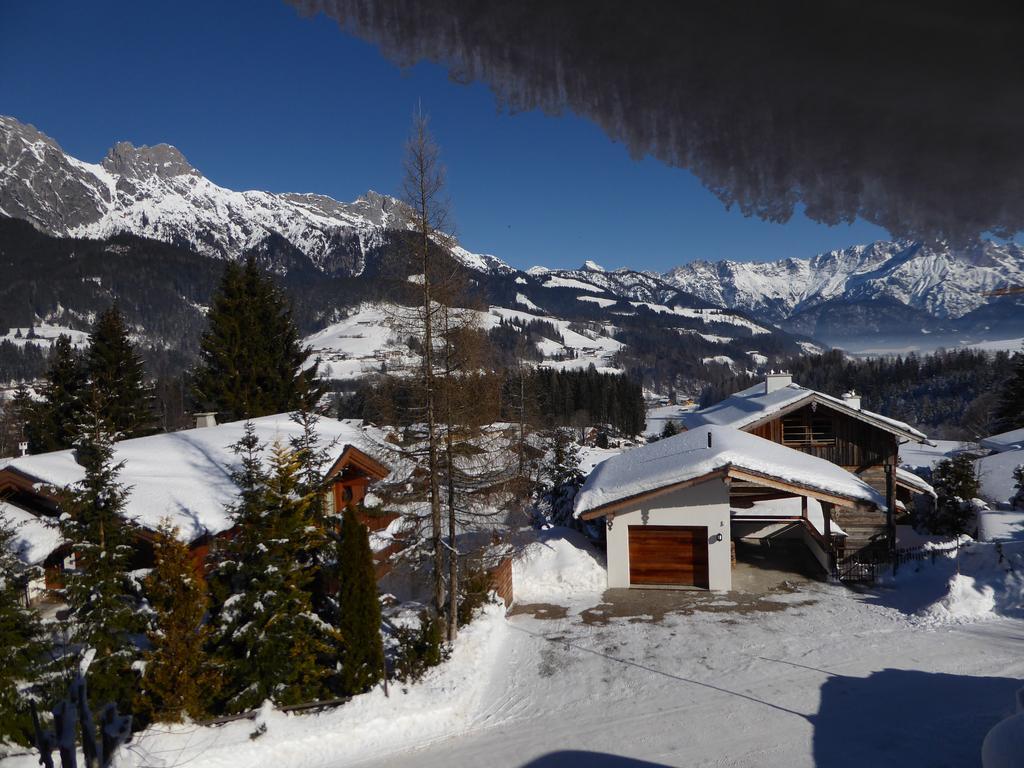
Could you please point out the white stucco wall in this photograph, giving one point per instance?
(706, 505)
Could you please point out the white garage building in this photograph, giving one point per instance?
(671, 506)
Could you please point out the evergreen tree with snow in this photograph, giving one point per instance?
(1018, 484)
(313, 458)
(99, 591)
(52, 420)
(178, 679)
(1009, 412)
(22, 644)
(270, 642)
(115, 375)
(563, 475)
(670, 429)
(252, 361)
(362, 660)
(563, 465)
(956, 485)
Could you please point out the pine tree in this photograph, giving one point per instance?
(423, 188)
(51, 422)
(252, 361)
(22, 646)
(956, 484)
(670, 429)
(178, 679)
(270, 642)
(563, 474)
(1018, 485)
(362, 661)
(1009, 413)
(99, 591)
(115, 374)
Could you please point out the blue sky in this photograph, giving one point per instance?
(271, 100)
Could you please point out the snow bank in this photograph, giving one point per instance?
(560, 566)
(966, 601)
(990, 583)
(446, 702)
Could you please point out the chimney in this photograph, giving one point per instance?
(774, 381)
(709, 439)
(206, 419)
(852, 399)
(23, 448)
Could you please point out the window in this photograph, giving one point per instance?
(808, 430)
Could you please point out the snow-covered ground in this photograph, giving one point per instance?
(659, 416)
(371, 338)
(995, 475)
(912, 673)
(44, 335)
(922, 455)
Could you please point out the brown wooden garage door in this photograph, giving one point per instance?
(668, 554)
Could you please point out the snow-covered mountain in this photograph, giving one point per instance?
(154, 192)
(933, 278)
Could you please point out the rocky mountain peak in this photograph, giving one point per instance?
(161, 160)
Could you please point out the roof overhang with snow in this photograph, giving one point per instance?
(184, 477)
(359, 460)
(907, 479)
(754, 406)
(717, 453)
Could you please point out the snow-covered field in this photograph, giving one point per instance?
(370, 338)
(913, 673)
(44, 335)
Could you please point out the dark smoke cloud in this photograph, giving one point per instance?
(908, 114)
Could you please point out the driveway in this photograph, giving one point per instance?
(807, 675)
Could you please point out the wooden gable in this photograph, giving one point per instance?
(350, 476)
(830, 434)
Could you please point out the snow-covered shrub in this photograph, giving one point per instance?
(420, 647)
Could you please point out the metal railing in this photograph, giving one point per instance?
(866, 565)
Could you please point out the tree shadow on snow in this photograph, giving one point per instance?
(562, 759)
(903, 717)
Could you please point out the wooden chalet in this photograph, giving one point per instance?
(838, 430)
(183, 477)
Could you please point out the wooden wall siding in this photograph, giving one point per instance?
(857, 445)
(501, 581)
(863, 528)
(668, 555)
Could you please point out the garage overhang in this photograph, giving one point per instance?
(746, 483)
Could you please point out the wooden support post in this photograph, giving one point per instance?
(890, 512)
(803, 507)
(826, 514)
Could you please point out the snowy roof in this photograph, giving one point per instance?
(910, 480)
(754, 404)
(1004, 441)
(686, 456)
(186, 476)
(34, 537)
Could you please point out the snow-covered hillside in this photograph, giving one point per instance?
(370, 340)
